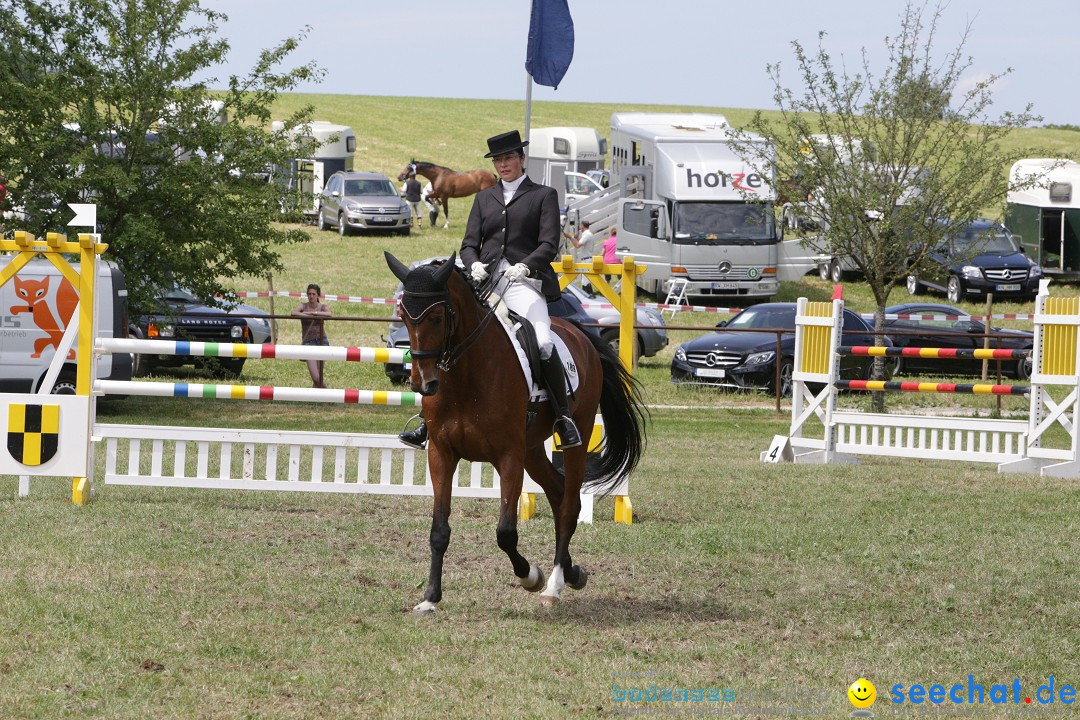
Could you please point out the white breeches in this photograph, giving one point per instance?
(414, 208)
(524, 298)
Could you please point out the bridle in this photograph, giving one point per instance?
(448, 356)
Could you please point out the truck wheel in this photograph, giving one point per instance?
(836, 273)
(823, 270)
(913, 285)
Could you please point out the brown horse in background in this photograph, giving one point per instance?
(446, 184)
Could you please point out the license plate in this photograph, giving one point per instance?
(1012, 287)
(709, 372)
(725, 286)
(382, 221)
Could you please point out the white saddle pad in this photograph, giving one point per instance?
(537, 393)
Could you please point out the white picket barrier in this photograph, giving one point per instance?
(283, 460)
(1014, 445)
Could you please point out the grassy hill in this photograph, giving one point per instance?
(392, 130)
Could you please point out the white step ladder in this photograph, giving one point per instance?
(676, 295)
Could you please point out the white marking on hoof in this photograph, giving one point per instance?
(425, 608)
(549, 600)
(583, 579)
(535, 579)
(555, 585)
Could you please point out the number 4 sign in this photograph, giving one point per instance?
(779, 450)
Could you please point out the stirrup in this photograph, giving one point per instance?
(568, 433)
(415, 438)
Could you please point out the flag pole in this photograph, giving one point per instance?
(528, 86)
(528, 104)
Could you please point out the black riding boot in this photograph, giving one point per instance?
(556, 387)
(415, 438)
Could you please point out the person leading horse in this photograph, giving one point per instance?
(510, 241)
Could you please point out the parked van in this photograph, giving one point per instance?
(35, 308)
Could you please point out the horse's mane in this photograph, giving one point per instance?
(433, 166)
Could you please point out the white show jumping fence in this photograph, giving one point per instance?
(299, 461)
(1015, 445)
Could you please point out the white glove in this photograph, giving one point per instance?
(517, 272)
(478, 272)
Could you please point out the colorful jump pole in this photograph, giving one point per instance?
(926, 387)
(254, 352)
(258, 392)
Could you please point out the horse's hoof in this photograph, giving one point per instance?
(535, 580)
(549, 600)
(583, 580)
(425, 608)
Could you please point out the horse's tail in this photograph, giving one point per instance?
(625, 416)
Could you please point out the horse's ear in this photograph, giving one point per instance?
(445, 269)
(396, 266)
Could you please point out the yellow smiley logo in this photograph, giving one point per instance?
(862, 693)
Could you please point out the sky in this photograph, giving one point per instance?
(684, 52)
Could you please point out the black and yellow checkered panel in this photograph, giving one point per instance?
(33, 432)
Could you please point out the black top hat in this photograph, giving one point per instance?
(505, 143)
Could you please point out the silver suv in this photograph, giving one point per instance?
(362, 201)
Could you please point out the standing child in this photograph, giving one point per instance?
(312, 315)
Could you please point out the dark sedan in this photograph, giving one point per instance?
(746, 359)
(950, 331)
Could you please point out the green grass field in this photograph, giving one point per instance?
(736, 575)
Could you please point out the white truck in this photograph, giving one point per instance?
(692, 209)
(561, 157)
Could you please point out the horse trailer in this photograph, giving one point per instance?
(1047, 216)
(561, 157)
(333, 145)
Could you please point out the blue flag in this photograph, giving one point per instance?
(551, 42)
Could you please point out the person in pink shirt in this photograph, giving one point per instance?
(609, 252)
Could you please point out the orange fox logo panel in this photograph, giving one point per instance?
(34, 292)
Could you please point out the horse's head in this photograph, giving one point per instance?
(408, 172)
(428, 316)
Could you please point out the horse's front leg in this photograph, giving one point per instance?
(441, 467)
(511, 476)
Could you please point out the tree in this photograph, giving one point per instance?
(895, 168)
(103, 101)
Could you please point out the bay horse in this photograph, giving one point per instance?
(476, 404)
(446, 184)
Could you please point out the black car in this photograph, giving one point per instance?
(568, 307)
(748, 359)
(951, 331)
(982, 258)
(180, 315)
